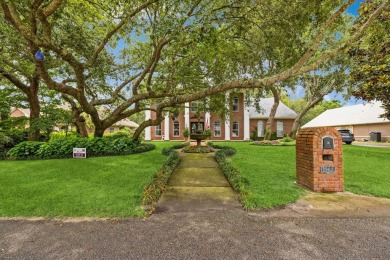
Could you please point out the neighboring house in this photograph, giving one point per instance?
(360, 119)
(243, 121)
(124, 123)
(18, 112)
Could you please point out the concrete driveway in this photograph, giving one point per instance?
(372, 144)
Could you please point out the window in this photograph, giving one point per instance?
(260, 128)
(279, 129)
(176, 128)
(112, 130)
(235, 104)
(235, 129)
(194, 105)
(217, 129)
(158, 130)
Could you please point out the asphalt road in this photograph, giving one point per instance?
(211, 234)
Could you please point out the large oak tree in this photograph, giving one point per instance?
(130, 55)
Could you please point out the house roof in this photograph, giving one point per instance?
(25, 111)
(126, 122)
(283, 111)
(350, 115)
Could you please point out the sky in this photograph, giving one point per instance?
(299, 93)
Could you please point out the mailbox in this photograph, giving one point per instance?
(327, 142)
(319, 159)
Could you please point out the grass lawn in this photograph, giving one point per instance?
(367, 170)
(93, 187)
(271, 171)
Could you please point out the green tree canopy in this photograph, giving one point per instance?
(371, 57)
(157, 55)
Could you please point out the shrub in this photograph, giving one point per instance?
(98, 146)
(61, 135)
(287, 139)
(185, 132)
(254, 135)
(121, 133)
(63, 147)
(194, 149)
(227, 150)
(24, 150)
(239, 183)
(168, 150)
(5, 142)
(58, 148)
(15, 136)
(158, 182)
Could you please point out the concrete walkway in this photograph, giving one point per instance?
(197, 184)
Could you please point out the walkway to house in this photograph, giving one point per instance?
(197, 184)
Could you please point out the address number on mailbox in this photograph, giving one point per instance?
(328, 169)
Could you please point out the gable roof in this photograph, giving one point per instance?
(351, 115)
(283, 111)
(25, 111)
(126, 122)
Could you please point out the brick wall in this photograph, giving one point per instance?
(287, 125)
(311, 156)
(181, 121)
(238, 117)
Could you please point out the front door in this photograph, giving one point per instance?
(194, 127)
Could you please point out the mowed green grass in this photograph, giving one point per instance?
(271, 172)
(367, 170)
(94, 187)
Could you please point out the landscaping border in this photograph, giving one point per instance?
(238, 182)
(156, 187)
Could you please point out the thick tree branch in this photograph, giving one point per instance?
(14, 80)
(317, 41)
(115, 30)
(116, 93)
(52, 7)
(152, 63)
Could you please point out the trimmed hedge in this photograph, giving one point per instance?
(239, 183)
(167, 151)
(63, 147)
(25, 150)
(158, 182)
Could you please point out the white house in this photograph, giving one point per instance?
(361, 119)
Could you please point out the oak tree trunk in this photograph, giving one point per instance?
(271, 118)
(35, 110)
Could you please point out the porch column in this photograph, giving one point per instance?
(246, 124)
(207, 120)
(166, 127)
(148, 135)
(187, 115)
(227, 120)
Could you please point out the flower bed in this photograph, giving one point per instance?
(194, 149)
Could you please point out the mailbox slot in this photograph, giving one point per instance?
(327, 157)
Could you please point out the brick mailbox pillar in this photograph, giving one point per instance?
(319, 158)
